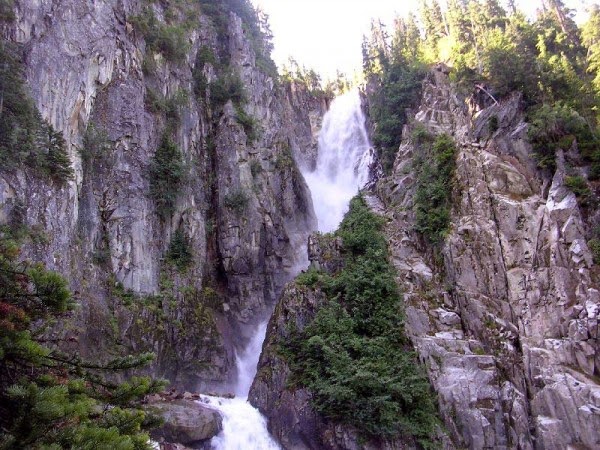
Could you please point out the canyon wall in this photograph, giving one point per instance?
(240, 207)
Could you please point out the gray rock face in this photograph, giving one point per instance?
(507, 324)
(86, 64)
(186, 422)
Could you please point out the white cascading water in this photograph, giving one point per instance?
(342, 169)
(244, 427)
(343, 160)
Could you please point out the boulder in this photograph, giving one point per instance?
(186, 422)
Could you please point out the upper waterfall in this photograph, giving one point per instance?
(343, 160)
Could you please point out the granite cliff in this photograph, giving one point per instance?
(181, 222)
(186, 214)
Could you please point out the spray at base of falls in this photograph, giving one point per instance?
(244, 428)
(342, 169)
(343, 160)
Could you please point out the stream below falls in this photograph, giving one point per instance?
(342, 168)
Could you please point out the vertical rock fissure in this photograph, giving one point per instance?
(500, 244)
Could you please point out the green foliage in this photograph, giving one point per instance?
(236, 200)
(354, 356)
(255, 168)
(256, 27)
(294, 73)
(285, 159)
(25, 139)
(490, 50)
(179, 250)
(578, 185)
(96, 146)
(493, 125)
(591, 39)
(594, 246)
(249, 123)
(204, 56)
(432, 202)
(399, 88)
(227, 87)
(558, 127)
(58, 163)
(167, 174)
(7, 10)
(170, 40)
(49, 399)
(169, 106)
(309, 277)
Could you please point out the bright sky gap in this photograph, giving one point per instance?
(326, 35)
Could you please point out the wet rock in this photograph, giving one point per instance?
(186, 422)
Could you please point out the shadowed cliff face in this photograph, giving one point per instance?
(240, 205)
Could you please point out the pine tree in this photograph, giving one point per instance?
(166, 176)
(591, 40)
(49, 399)
(57, 160)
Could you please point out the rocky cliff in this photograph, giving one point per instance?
(503, 312)
(181, 223)
(506, 322)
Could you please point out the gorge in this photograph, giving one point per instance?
(170, 208)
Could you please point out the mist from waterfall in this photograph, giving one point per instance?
(244, 428)
(343, 160)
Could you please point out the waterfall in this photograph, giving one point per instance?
(244, 428)
(342, 169)
(343, 160)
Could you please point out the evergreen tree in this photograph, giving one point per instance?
(58, 161)
(49, 399)
(435, 27)
(406, 41)
(167, 172)
(591, 40)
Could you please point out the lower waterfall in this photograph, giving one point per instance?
(244, 428)
(342, 168)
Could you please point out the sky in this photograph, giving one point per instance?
(326, 35)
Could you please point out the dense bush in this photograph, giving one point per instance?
(594, 246)
(227, 87)
(170, 40)
(167, 173)
(249, 123)
(579, 186)
(434, 167)
(399, 89)
(354, 356)
(558, 127)
(236, 200)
